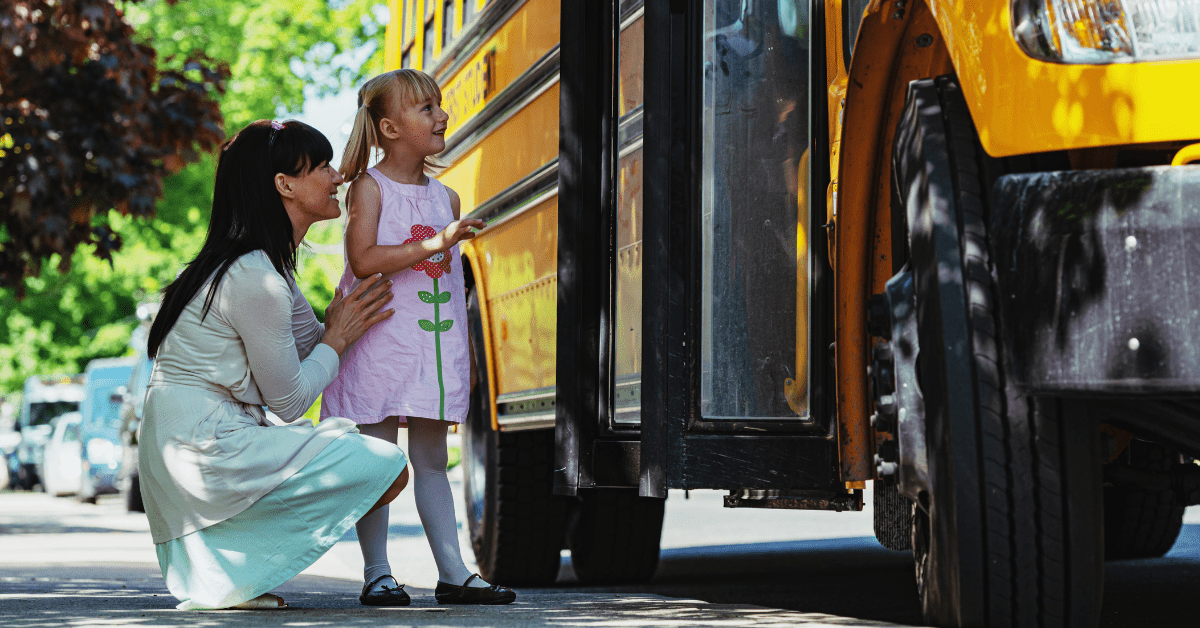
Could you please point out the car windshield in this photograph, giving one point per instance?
(43, 413)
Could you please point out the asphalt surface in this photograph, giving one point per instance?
(68, 564)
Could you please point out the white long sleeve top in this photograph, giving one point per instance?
(206, 451)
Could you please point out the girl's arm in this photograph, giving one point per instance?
(367, 257)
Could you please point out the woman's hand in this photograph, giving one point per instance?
(456, 232)
(347, 319)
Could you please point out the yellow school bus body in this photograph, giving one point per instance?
(514, 261)
(1020, 105)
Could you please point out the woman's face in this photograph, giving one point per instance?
(314, 194)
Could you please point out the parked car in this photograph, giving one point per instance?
(101, 420)
(62, 459)
(133, 398)
(45, 397)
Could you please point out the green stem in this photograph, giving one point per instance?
(437, 345)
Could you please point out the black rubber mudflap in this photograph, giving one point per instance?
(893, 517)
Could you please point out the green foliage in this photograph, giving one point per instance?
(89, 122)
(73, 313)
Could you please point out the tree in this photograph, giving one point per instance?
(273, 52)
(88, 122)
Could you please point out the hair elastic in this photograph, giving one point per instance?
(275, 128)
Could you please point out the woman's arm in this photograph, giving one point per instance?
(306, 329)
(259, 307)
(363, 251)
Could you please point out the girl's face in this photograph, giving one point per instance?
(422, 126)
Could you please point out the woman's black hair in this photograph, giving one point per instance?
(247, 212)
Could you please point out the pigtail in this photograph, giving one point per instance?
(362, 141)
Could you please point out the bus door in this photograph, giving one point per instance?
(600, 246)
(736, 382)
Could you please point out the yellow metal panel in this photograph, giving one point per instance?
(519, 269)
(886, 59)
(1022, 105)
(526, 37)
(391, 44)
(521, 145)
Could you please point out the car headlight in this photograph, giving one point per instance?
(1107, 31)
(101, 451)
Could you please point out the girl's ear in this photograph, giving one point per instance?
(389, 129)
(284, 186)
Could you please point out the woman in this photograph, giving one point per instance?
(238, 506)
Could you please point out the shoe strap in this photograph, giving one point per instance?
(385, 587)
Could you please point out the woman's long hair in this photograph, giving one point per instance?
(247, 212)
(377, 99)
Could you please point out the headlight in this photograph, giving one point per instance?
(1107, 31)
(101, 451)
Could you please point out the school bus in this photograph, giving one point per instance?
(788, 247)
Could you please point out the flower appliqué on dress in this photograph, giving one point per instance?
(435, 265)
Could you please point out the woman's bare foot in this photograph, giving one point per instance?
(264, 601)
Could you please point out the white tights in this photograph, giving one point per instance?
(435, 504)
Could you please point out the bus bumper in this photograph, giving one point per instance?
(1098, 280)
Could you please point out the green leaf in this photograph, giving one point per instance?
(425, 324)
(445, 326)
(443, 297)
(427, 296)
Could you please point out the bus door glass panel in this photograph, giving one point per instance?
(754, 305)
(627, 323)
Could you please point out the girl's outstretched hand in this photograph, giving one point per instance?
(347, 319)
(458, 231)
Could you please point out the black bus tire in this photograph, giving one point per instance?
(1011, 530)
(516, 524)
(1142, 522)
(614, 536)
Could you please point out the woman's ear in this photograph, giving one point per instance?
(283, 185)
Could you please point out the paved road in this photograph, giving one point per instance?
(63, 563)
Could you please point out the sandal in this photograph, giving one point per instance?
(266, 601)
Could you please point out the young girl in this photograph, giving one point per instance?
(414, 369)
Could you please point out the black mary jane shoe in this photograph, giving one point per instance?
(452, 594)
(384, 595)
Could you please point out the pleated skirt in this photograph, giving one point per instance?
(283, 533)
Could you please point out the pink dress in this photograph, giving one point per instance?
(415, 363)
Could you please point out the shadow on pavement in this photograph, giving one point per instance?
(133, 595)
(849, 577)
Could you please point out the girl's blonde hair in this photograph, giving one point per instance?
(377, 99)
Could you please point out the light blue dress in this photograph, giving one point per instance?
(236, 504)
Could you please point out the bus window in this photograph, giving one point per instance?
(469, 12)
(427, 57)
(447, 22)
(754, 303)
(408, 23)
(627, 332)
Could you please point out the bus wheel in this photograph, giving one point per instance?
(516, 524)
(614, 536)
(1008, 530)
(1141, 522)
